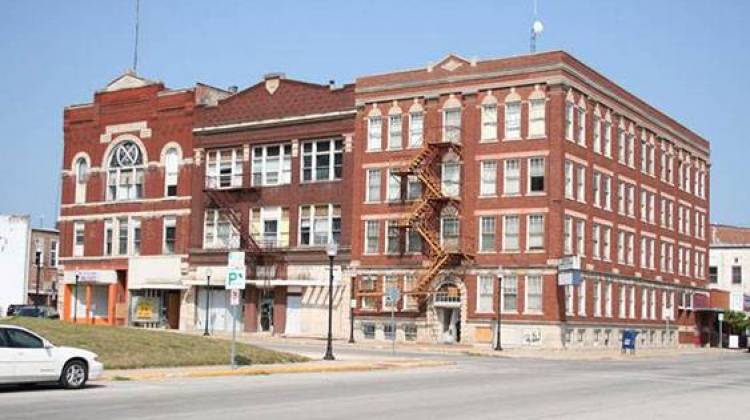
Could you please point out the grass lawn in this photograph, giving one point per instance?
(131, 348)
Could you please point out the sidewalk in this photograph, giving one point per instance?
(320, 366)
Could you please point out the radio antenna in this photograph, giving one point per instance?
(137, 25)
(536, 30)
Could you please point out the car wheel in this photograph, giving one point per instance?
(74, 375)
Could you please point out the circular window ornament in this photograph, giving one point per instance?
(126, 155)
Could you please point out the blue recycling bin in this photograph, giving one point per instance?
(628, 340)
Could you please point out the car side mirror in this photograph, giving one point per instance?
(47, 345)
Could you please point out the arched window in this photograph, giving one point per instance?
(82, 174)
(125, 172)
(171, 172)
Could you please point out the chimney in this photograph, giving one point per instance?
(270, 76)
(232, 89)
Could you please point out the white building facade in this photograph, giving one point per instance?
(15, 236)
(729, 264)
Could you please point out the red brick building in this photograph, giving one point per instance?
(126, 195)
(42, 272)
(274, 167)
(468, 172)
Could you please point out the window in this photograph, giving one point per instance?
(596, 189)
(606, 233)
(322, 160)
(581, 183)
(644, 304)
(652, 304)
(631, 200)
(569, 179)
(607, 139)
(449, 232)
(631, 309)
(621, 304)
(713, 274)
(170, 234)
(319, 224)
(451, 179)
(595, 241)
(53, 251)
(568, 236)
(373, 186)
(536, 231)
(78, 239)
(125, 172)
(109, 237)
(536, 175)
(392, 239)
(218, 231)
(536, 117)
(621, 247)
(136, 226)
(485, 292)
(410, 302)
(410, 332)
(171, 172)
(394, 185)
(608, 300)
(621, 145)
(582, 126)
(597, 134)
(272, 165)
(413, 187)
(367, 284)
(510, 293)
(82, 176)
(488, 184)
(582, 298)
(122, 236)
(510, 233)
(644, 205)
(513, 120)
(394, 132)
(607, 187)
(22, 339)
(372, 236)
(368, 330)
(533, 293)
(580, 235)
(629, 256)
(568, 120)
(512, 177)
(452, 125)
(489, 122)
(736, 274)
(389, 331)
(374, 133)
(416, 128)
(630, 150)
(413, 241)
(224, 168)
(389, 282)
(487, 233)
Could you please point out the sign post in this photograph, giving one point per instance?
(721, 333)
(235, 282)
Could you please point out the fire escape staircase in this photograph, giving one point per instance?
(424, 215)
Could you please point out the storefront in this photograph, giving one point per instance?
(95, 296)
(156, 288)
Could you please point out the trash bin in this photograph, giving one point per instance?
(628, 340)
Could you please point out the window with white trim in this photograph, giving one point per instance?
(537, 109)
(533, 293)
(272, 165)
(582, 297)
(392, 237)
(171, 172)
(569, 120)
(536, 175)
(597, 134)
(452, 125)
(169, 235)
(374, 133)
(607, 139)
(606, 237)
(125, 172)
(580, 237)
(451, 179)
(319, 224)
(536, 231)
(372, 236)
(416, 129)
(54, 250)
(79, 234)
(224, 168)
(413, 187)
(510, 293)
(394, 185)
(449, 232)
(621, 145)
(595, 241)
(512, 177)
(488, 178)
(373, 186)
(621, 302)
(487, 233)
(394, 132)
(581, 183)
(218, 231)
(569, 167)
(510, 233)
(413, 241)
(82, 176)
(582, 126)
(607, 187)
(596, 189)
(489, 122)
(568, 235)
(570, 300)
(485, 293)
(322, 160)
(513, 120)
(629, 255)
(621, 247)
(608, 299)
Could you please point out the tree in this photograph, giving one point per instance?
(736, 322)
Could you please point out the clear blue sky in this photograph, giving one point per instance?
(688, 58)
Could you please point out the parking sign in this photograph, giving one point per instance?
(235, 271)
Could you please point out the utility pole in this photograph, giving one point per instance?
(352, 304)
(498, 342)
(38, 276)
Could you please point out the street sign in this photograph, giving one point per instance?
(235, 271)
(234, 297)
(570, 262)
(393, 294)
(721, 317)
(566, 278)
(353, 304)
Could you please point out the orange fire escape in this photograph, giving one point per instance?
(424, 215)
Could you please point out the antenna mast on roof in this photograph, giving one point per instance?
(137, 22)
(536, 30)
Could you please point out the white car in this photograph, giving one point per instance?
(25, 358)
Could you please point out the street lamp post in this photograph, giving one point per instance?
(75, 303)
(38, 276)
(208, 301)
(331, 250)
(498, 345)
(352, 303)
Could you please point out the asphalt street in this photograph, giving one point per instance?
(685, 387)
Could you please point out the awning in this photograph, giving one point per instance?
(90, 277)
(160, 286)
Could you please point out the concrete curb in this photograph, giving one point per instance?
(305, 367)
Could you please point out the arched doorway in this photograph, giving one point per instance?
(447, 306)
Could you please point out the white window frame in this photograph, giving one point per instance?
(513, 120)
(260, 165)
(372, 195)
(335, 148)
(395, 132)
(374, 133)
(537, 118)
(527, 308)
(488, 178)
(416, 129)
(489, 122)
(171, 171)
(530, 234)
(214, 178)
(79, 239)
(372, 233)
(485, 295)
(483, 232)
(312, 222)
(511, 229)
(511, 177)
